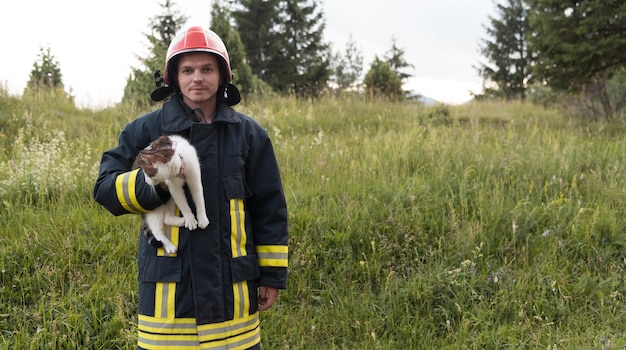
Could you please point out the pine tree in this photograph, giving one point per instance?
(580, 46)
(578, 41)
(347, 67)
(302, 65)
(283, 41)
(46, 79)
(397, 62)
(46, 72)
(256, 21)
(140, 82)
(509, 70)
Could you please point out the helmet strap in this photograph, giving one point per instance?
(229, 93)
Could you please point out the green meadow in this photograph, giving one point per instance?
(481, 226)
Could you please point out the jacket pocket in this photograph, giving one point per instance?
(244, 268)
(159, 268)
(236, 187)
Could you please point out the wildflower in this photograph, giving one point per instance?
(317, 140)
(276, 132)
(467, 263)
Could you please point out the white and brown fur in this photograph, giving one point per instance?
(173, 161)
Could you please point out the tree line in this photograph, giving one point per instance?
(548, 51)
(275, 47)
(558, 50)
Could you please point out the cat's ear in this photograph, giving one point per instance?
(139, 161)
(144, 158)
(165, 142)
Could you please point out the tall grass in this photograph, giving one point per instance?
(482, 226)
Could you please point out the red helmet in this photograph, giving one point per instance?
(194, 39)
(197, 39)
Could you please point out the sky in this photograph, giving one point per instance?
(96, 43)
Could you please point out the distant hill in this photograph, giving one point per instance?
(427, 100)
(421, 98)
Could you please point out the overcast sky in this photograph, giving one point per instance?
(96, 42)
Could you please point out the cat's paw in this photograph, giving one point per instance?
(169, 247)
(191, 223)
(203, 221)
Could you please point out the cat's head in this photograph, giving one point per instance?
(154, 159)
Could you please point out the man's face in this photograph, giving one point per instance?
(198, 78)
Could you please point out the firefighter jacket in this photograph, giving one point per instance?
(204, 296)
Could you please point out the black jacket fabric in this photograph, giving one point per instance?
(204, 295)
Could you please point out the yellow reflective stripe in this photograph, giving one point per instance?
(158, 300)
(166, 325)
(125, 190)
(280, 249)
(238, 233)
(237, 297)
(167, 342)
(240, 342)
(238, 239)
(164, 299)
(241, 299)
(177, 333)
(235, 333)
(273, 255)
(165, 293)
(167, 333)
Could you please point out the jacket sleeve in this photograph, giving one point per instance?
(121, 189)
(268, 211)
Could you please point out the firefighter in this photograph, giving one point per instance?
(209, 293)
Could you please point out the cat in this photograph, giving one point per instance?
(172, 160)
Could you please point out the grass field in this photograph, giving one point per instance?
(483, 226)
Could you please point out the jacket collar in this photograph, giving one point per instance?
(177, 116)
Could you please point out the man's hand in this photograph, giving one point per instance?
(267, 297)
